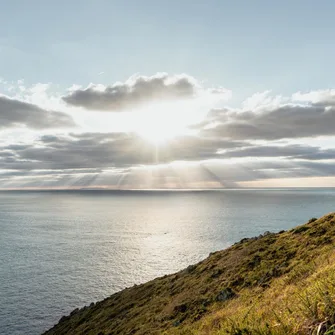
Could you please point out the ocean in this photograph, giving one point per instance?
(65, 249)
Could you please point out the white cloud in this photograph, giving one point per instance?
(261, 101)
(326, 97)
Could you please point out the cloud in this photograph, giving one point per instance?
(80, 160)
(123, 150)
(294, 151)
(318, 97)
(192, 175)
(99, 150)
(231, 145)
(283, 121)
(262, 100)
(263, 117)
(14, 113)
(137, 91)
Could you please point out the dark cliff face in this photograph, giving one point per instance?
(176, 302)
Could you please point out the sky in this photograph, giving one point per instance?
(167, 94)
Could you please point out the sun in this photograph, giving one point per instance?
(163, 123)
(156, 135)
(160, 131)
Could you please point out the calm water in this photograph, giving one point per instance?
(62, 250)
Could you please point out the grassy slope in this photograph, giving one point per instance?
(280, 283)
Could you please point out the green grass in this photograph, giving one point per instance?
(280, 283)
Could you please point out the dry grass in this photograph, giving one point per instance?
(306, 306)
(282, 284)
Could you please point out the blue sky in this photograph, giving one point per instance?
(177, 94)
(246, 46)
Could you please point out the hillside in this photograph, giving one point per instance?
(281, 283)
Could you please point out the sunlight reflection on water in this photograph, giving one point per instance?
(62, 250)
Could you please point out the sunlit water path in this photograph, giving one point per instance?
(62, 250)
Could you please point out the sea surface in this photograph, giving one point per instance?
(62, 250)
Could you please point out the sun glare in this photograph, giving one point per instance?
(161, 130)
(156, 135)
(164, 122)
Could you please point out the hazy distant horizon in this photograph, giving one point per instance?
(138, 190)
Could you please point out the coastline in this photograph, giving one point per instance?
(186, 300)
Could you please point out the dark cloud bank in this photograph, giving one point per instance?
(287, 121)
(230, 145)
(14, 113)
(92, 153)
(133, 93)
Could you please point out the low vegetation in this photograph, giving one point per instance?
(276, 283)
